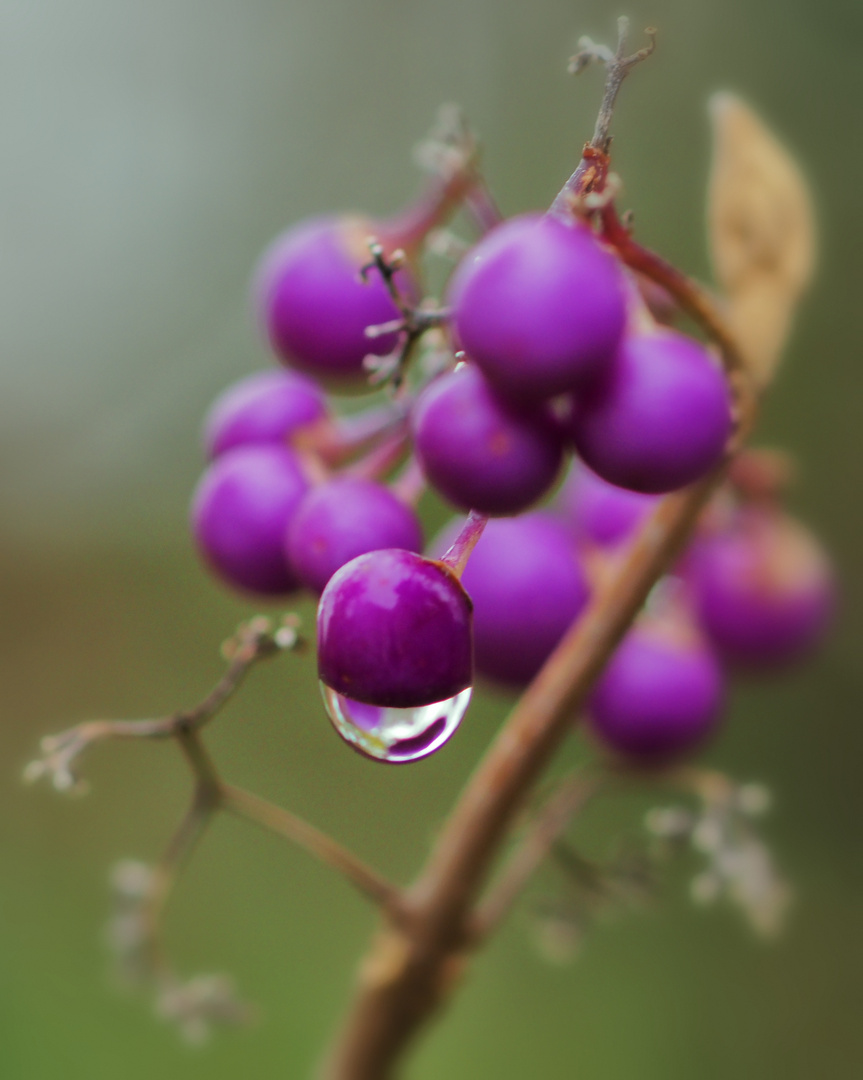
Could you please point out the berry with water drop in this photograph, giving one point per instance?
(394, 630)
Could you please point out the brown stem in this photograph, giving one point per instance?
(168, 869)
(592, 170)
(482, 207)
(254, 641)
(411, 970)
(246, 805)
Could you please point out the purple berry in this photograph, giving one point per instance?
(660, 694)
(598, 512)
(527, 588)
(659, 418)
(264, 408)
(764, 589)
(313, 304)
(539, 305)
(240, 511)
(343, 518)
(479, 451)
(394, 629)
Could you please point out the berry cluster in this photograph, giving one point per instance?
(546, 346)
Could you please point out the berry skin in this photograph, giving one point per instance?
(240, 511)
(264, 408)
(764, 589)
(394, 629)
(341, 519)
(659, 418)
(312, 303)
(479, 451)
(527, 587)
(660, 695)
(539, 305)
(597, 512)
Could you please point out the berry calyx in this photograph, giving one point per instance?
(394, 630)
(315, 306)
(539, 304)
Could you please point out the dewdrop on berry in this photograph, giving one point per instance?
(395, 654)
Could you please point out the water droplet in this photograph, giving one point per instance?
(395, 735)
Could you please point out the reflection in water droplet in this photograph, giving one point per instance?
(395, 735)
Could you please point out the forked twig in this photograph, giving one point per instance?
(551, 821)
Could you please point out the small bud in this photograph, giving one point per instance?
(705, 888)
(753, 800)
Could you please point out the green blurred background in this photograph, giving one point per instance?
(149, 150)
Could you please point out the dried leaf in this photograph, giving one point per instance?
(761, 231)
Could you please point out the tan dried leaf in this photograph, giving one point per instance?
(761, 231)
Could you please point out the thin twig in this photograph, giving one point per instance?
(167, 871)
(246, 805)
(414, 321)
(592, 171)
(254, 641)
(543, 832)
(617, 68)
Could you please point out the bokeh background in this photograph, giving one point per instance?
(148, 151)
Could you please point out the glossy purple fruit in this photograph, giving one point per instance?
(343, 518)
(660, 695)
(312, 303)
(659, 418)
(478, 450)
(764, 589)
(394, 629)
(598, 512)
(539, 305)
(264, 408)
(240, 511)
(527, 588)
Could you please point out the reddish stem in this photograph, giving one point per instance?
(459, 552)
